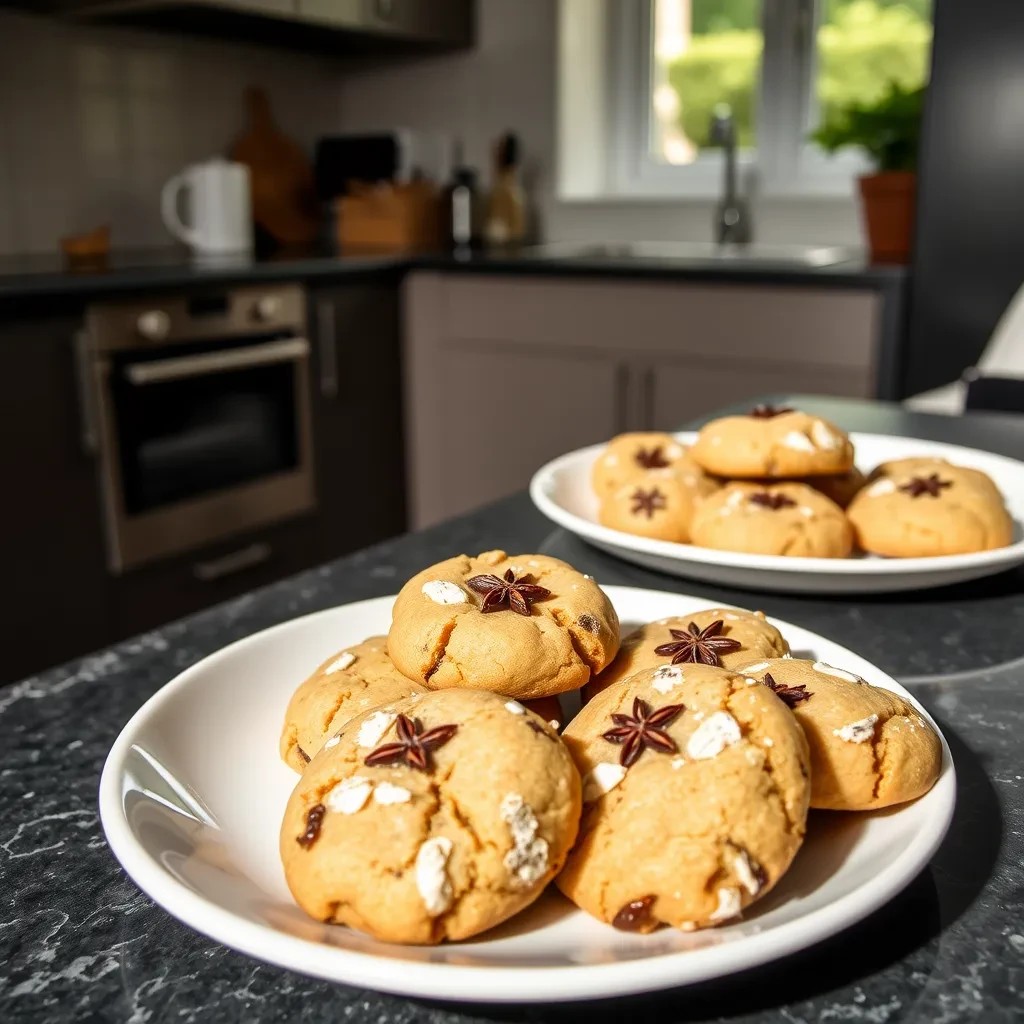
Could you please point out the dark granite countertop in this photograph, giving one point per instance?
(45, 277)
(80, 942)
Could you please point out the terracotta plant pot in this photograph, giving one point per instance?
(888, 203)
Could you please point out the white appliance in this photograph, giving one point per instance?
(219, 201)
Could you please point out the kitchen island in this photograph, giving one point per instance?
(80, 942)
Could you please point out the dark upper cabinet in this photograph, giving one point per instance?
(341, 26)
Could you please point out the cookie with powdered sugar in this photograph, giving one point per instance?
(435, 818)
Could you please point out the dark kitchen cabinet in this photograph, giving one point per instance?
(357, 415)
(51, 533)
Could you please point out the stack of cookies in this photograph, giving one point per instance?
(778, 481)
(435, 801)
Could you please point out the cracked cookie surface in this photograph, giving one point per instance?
(916, 508)
(687, 837)
(777, 519)
(869, 747)
(789, 444)
(348, 683)
(441, 636)
(420, 856)
(757, 638)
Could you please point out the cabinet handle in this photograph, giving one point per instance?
(327, 337)
(86, 406)
(648, 400)
(236, 561)
(621, 398)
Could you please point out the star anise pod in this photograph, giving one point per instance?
(930, 485)
(642, 729)
(507, 590)
(413, 746)
(767, 412)
(647, 502)
(652, 458)
(768, 499)
(701, 646)
(789, 695)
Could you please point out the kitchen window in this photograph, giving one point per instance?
(778, 64)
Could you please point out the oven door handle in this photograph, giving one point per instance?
(181, 367)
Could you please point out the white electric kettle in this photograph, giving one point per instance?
(220, 208)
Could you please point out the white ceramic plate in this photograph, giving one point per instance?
(193, 792)
(562, 491)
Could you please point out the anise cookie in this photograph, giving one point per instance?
(776, 443)
(525, 626)
(780, 519)
(917, 509)
(728, 637)
(636, 455)
(869, 748)
(841, 488)
(659, 508)
(695, 798)
(345, 685)
(436, 820)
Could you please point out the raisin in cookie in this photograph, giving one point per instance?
(781, 519)
(437, 820)
(720, 636)
(773, 443)
(869, 747)
(695, 799)
(919, 508)
(525, 626)
(345, 685)
(635, 456)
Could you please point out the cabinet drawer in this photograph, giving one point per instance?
(772, 324)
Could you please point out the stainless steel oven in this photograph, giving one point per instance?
(197, 408)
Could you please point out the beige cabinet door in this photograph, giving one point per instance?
(503, 412)
(673, 392)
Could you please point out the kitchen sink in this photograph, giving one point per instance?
(752, 255)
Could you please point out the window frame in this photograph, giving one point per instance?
(784, 164)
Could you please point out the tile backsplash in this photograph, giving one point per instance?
(94, 120)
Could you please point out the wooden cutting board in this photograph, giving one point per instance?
(283, 198)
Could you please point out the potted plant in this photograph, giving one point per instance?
(888, 131)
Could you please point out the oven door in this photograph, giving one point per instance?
(201, 442)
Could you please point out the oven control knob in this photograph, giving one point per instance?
(266, 308)
(153, 325)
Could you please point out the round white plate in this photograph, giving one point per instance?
(193, 792)
(562, 491)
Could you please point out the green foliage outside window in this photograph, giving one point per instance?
(863, 46)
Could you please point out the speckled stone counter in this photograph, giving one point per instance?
(79, 942)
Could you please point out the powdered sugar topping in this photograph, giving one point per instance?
(601, 779)
(831, 670)
(341, 662)
(388, 793)
(824, 437)
(728, 904)
(444, 592)
(883, 486)
(513, 707)
(527, 861)
(798, 442)
(857, 732)
(371, 731)
(432, 882)
(745, 872)
(667, 678)
(349, 796)
(713, 735)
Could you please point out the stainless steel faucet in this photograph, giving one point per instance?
(732, 215)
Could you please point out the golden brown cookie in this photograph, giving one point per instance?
(869, 748)
(720, 636)
(785, 444)
(925, 465)
(526, 626)
(635, 456)
(437, 821)
(695, 799)
(781, 519)
(345, 685)
(916, 508)
(660, 508)
(841, 488)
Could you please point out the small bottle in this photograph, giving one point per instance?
(461, 206)
(506, 208)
